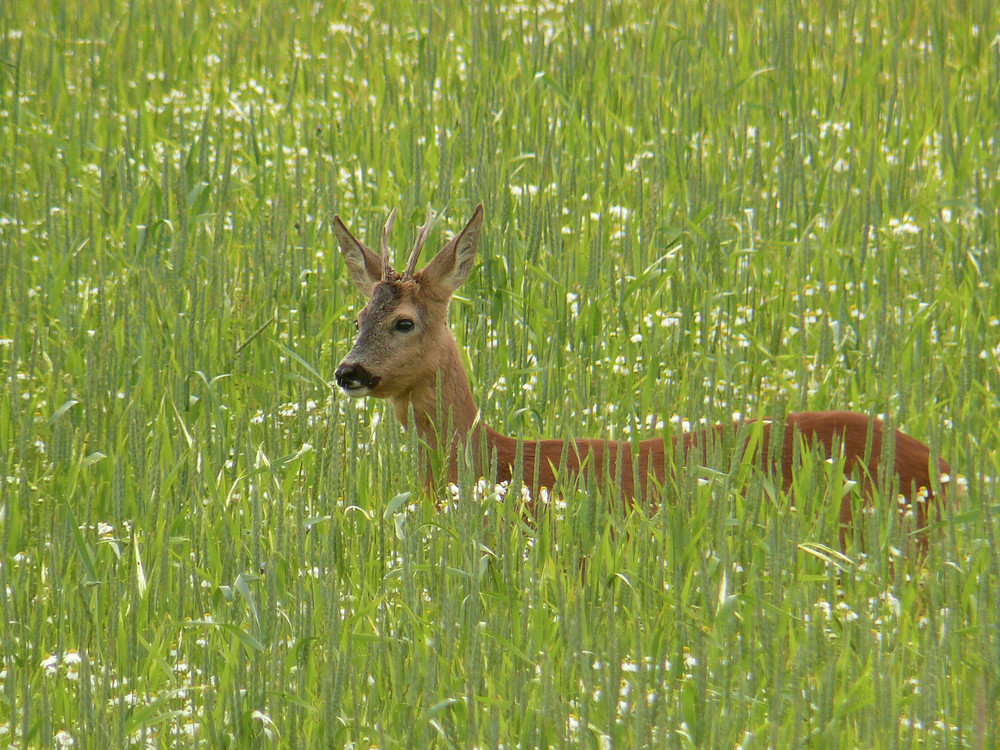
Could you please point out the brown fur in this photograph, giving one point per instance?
(831, 433)
(412, 368)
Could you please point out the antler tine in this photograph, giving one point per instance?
(387, 269)
(423, 232)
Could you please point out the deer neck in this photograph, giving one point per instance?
(458, 408)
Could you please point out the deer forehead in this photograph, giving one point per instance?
(392, 299)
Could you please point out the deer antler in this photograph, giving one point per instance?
(387, 270)
(423, 232)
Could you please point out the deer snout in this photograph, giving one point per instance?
(354, 379)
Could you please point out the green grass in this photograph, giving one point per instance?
(690, 212)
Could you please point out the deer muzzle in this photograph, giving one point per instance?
(354, 379)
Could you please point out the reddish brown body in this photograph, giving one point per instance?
(832, 433)
(406, 353)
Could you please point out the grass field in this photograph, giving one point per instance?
(691, 211)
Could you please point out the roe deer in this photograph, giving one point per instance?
(405, 352)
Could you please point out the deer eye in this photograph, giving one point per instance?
(404, 325)
(356, 327)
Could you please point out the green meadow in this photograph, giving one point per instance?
(693, 211)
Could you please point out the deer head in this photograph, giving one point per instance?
(404, 344)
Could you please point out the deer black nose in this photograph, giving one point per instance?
(353, 377)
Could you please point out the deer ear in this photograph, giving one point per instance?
(364, 266)
(453, 264)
